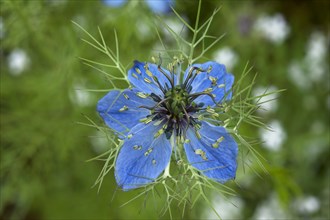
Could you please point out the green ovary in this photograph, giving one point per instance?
(177, 100)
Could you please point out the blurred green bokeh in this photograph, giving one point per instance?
(43, 95)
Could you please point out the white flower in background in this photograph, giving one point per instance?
(177, 28)
(18, 61)
(144, 29)
(315, 56)
(270, 210)
(313, 67)
(227, 208)
(79, 96)
(2, 28)
(273, 28)
(298, 76)
(273, 139)
(226, 56)
(99, 142)
(267, 103)
(307, 205)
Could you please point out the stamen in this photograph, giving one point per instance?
(201, 153)
(146, 120)
(198, 135)
(142, 95)
(159, 132)
(124, 108)
(159, 85)
(189, 78)
(166, 75)
(138, 70)
(158, 122)
(137, 147)
(147, 80)
(149, 73)
(197, 94)
(209, 69)
(221, 85)
(208, 90)
(148, 152)
(126, 96)
(213, 80)
(135, 76)
(219, 140)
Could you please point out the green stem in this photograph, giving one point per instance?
(195, 33)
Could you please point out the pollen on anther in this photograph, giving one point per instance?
(146, 120)
(213, 80)
(142, 95)
(201, 153)
(208, 90)
(147, 80)
(148, 152)
(154, 162)
(138, 70)
(126, 96)
(219, 140)
(137, 147)
(149, 73)
(209, 69)
(135, 76)
(124, 108)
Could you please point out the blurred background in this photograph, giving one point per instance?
(45, 93)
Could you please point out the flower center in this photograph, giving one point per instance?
(177, 102)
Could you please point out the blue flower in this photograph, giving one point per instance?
(162, 112)
(157, 6)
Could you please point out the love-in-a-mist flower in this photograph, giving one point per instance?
(163, 112)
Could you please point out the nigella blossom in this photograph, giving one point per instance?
(163, 112)
(157, 6)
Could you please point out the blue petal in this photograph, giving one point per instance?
(217, 162)
(160, 6)
(120, 110)
(141, 76)
(214, 76)
(142, 157)
(114, 3)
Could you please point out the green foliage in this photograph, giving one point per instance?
(43, 149)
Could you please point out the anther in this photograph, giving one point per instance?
(135, 76)
(138, 70)
(221, 85)
(148, 152)
(198, 135)
(137, 147)
(209, 69)
(159, 132)
(124, 108)
(147, 80)
(126, 96)
(208, 90)
(145, 120)
(219, 140)
(142, 95)
(201, 153)
(213, 80)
